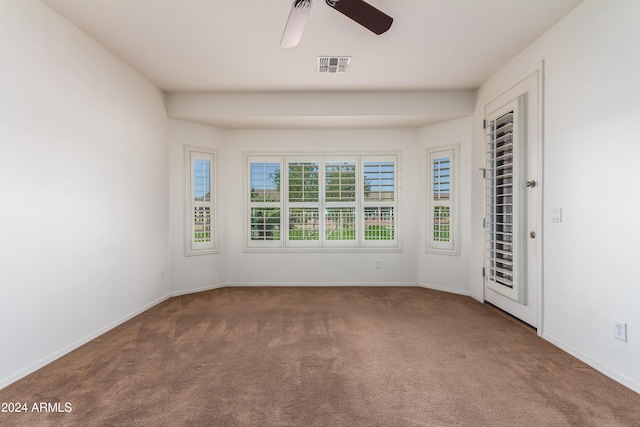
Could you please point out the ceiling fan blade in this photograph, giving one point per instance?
(295, 24)
(364, 14)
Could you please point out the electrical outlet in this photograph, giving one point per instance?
(620, 330)
(378, 264)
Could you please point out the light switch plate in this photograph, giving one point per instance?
(555, 215)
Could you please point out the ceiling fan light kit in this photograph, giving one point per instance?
(359, 11)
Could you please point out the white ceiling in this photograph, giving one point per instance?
(233, 45)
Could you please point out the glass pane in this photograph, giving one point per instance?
(303, 182)
(202, 224)
(340, 223)
(201, 180)
(265, 182)
(442, 178)
(378, 223)
(340, 181)
(303, 224)
(265, 223)
(379, 181)
(441, 224)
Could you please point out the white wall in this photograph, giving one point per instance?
(193, 273)
(591, 158)
(233, 266)
(438, 271)
(83, 185)
(309, 110)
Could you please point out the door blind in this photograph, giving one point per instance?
(500, 200)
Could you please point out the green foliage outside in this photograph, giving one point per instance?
(304, 185)
(202, 236)
(441, 226)
(378, 232)
(301, 234)
(265, 224)
(441, 233)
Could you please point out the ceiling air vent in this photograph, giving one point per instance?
(333, 64)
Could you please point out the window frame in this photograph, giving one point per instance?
(434, 245)
(192, 248)
(266, 243)
(308, 205)
(381, 204)
(322, 243)
(341, 204)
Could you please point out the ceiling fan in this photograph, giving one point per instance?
(357, 10)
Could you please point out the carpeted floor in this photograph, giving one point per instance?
(366, 356)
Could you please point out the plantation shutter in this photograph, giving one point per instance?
(200, 209)
(265, 201)
(504, 157)
(379, 200)
(303, 201)
(441, 201)
(340, 177)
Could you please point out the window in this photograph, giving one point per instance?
(441, 205)
(322, 202)
(200, 208)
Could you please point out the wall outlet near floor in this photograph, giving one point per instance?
(620, 330)
(377, 264)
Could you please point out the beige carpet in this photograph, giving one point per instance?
(365, 356)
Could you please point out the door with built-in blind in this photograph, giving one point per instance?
(512, 201)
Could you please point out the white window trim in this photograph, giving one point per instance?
(323, 245)
(452, 247)
(192, 248)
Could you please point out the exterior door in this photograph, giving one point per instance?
(512, 201)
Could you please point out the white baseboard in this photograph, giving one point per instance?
(443, 289)
(479, 298)
(196, 290)
(285, 284)
(614, 375)
(65, 350)
(321, 284)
